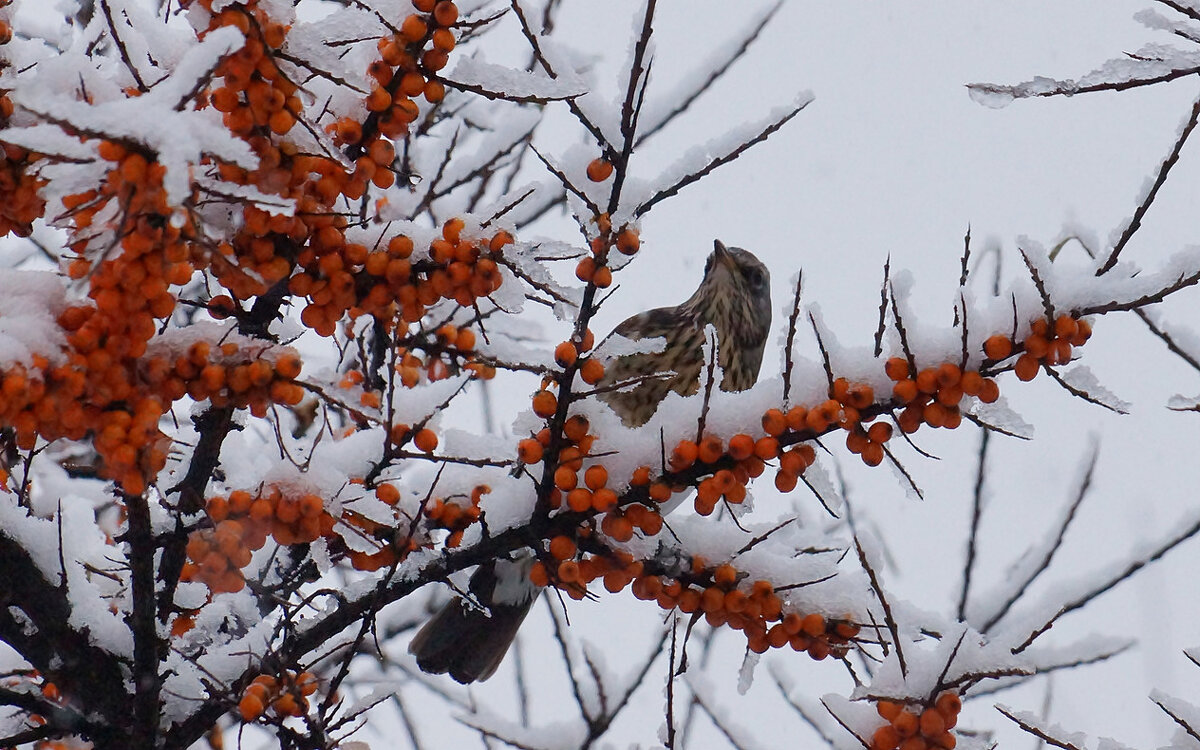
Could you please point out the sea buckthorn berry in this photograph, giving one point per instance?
(785, 481)
(579, 499)
(1027, 367)
(741, 447)
(388, 493)
(565, 354)
(1083, 332)
(529, 451)
(774, 423)
(905, 391)
(1037, 345)
(896, 368)
(766, 448)
(445, 13)
(725, 574)
(971, 383)
(628, 241)
(927, 381)
(948, 374)
(710, 449)
(576, 428)
(599, 170)
(425, 440)
(888, 710)
(885, 738)
(565, 478)
(906, 723)
(684, 455)
(585, 270)
(562, 547)
(595, 477)
(413, 28)
(872, 454)
(605, 499)
(949, 704)
(880, 432)
(932, 723)
(591, 371)
(544, 404)
(603, 277)
(997, 346)
(1065, 326)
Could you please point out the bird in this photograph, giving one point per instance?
(469, 639)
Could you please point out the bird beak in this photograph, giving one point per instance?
(724, 256)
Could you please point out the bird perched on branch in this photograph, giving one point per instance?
(469, 639)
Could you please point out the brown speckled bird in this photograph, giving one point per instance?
(735, 298)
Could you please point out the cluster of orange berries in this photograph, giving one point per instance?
(453, 350)
(20, 204)
(390, 550)
(592, 269)
(227, 376)
(916, 728)
(1048, 342)
(255, 95)
(408, 61)
(287, 695)
(242, 523)
(724, 602)
(349, 278)
(728, 484)
(448, 513)
(932, 395)
(567, 354)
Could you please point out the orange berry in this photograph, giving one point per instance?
(641, 476)
(774, 423)
(906, 723)
(599, 170)
(1083, 332)
(905, 391)
(565, 478)
(766, 448)
(250, 707)
(562, 547)
(949, 704)
(576, 428)
(425, 440)
(538, 575)
(413, 28)
(579, 500)
(785, 481)
(1027, 367)
(741, 447)
(1065, 326)
(725, 574)
(445, 13)
(565, 354)
(602, 278)
(585, 270)
(710, 450)
(684, 455)
(591, 371)
(529, 451)
(605, 499)
(998, 346)
(544, 404)
(628, 241)
(896, 368)
(388, 493)
(595, 477)
(931, 723)
(885, 738)
(927, 381)
(888, 710)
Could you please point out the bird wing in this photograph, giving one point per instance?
(681, 358)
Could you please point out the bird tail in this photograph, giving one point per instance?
(469, 641)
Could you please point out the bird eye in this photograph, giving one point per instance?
(755, 277)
